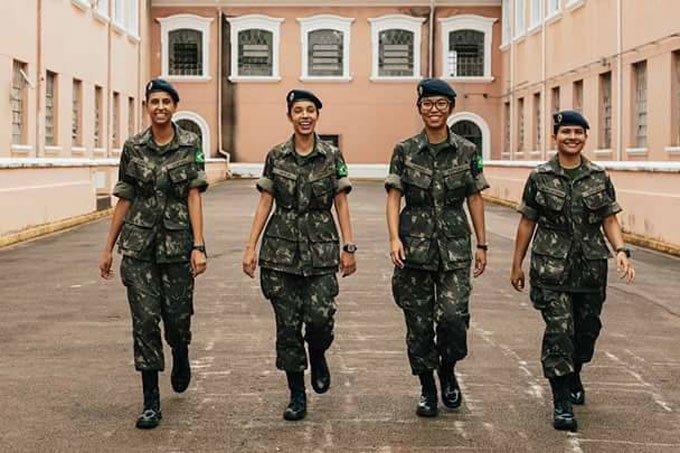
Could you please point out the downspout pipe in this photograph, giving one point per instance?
(430, 54)
(220, 54)
(619, 85)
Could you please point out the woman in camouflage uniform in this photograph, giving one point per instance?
(160, 222)
(300, 251)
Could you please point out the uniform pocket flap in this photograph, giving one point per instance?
(278, 250)
(139, 170)
(456, 169)
(284, 173)
(172, 224)
(416, 167)
(454, 182)
(595, 248)
(596, 199)
(552, 243)
(551, 198)
(182, 173)
(417, 178)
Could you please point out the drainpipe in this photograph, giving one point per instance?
(430, 66)
(109, 97)
(511, 114)
(220, 20)
(619, 87)
(545, 123)
(39, 71)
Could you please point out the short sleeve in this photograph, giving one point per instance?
(478, 182)
(266, 181)
(528, 206)
(613, 207)
(341, 172)
(125, 187)
(201, 180)
(393, 180)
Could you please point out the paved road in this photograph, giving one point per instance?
(67, 381)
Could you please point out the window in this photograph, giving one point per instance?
(520, 125)
(396, 46)
(536, 13)
(101, 7)
(553, 8)
(469, 131)
(131, 116)
(555, 100)
(254, 47)
(506, 134)
(507, 25)
(119, 13)
(133, 18)
(640, 104)
(19, 103)
(76, 114)
(519, 18)
(538, 133)
(51, 109)
(333, 139)
(325, 47)
(467, 47)
(578, 96)
(676, 99)
(98, 99)
(191, 126)
(605, 110)
(115, 120)
(184, 47)
(196, 123)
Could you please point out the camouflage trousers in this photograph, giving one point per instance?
(155, 292)
(572, 325)
(435, 305)
(299, 300)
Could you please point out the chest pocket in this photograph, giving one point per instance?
(596, 200)
(180, 174)
(456, 180)
(551, 198)
(417, 181)
(323, 190)
(285, 185)
(140, 171)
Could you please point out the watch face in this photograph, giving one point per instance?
(350, 248)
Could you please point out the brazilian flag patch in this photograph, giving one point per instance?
(198, 156)
(342, 169)
(477, 166)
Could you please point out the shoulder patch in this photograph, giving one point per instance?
(341, 170)
(198, 155)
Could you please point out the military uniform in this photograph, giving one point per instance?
(156, 239)
(568, 258)
(434, 286)
(300, 253)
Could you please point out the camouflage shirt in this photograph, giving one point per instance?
(157, 179)
(434, 182)
(569, 252)
(301, 236)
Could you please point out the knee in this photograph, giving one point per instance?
(452, 319)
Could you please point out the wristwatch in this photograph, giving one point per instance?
(200, 248)
(625, 250)
(484, 247)
(349, 248)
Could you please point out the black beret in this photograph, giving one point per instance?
(435, 87)
(161, 85)
(568, 118)
(294, 96)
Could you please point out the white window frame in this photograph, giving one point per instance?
(396, 22)
(192, 22)
(118, 16)
(81, 4)
(551, 14)
(573, 4)
(324, 22)
(535, 15)
(468, 22)
(100, 10)
(132, 20)
(202, 124)
(520, 19)
(506, 18)
(249, 22)
(481, 124)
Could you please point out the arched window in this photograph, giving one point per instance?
(191, 126)
(466, 50)
(254, 47)
(184, 46)
(469, 131)
(474, 128)
(325, 47)
(195, 123)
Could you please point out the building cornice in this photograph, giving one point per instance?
(317, 3)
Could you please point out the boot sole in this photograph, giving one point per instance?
(573, 427)
(294, 418)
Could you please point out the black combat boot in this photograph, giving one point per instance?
(181, 369)
(297, 407)
(321, 376)
(427, 406)
(451, 394)
(151, 415)
(577, 394)
(563, 415)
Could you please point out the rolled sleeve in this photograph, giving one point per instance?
(265, 184)
(200, 181)
(344, 185)
(393, 181)
(478, 184)
(527, 211)
(125, 187)
(528, 207)
(614, 207)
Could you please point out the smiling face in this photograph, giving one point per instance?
(434, 111)
(570, 140)
(160, 106)
(303, 115)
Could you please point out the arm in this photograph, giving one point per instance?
(199, 261)
(525, 231)
(264, 207)
(612, 229)
(397, 254)
(106, 259)
(475, 204)
(348, 263)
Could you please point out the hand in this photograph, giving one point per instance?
(517, 278)
(348, 264)
(199, 262)
(625, 268)
(397, 254)
(480, 262)
(249, 262)
(105, 262)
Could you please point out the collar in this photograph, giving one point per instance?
(423, 143)
(181, 138)
(320, 147)
(553, 166)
